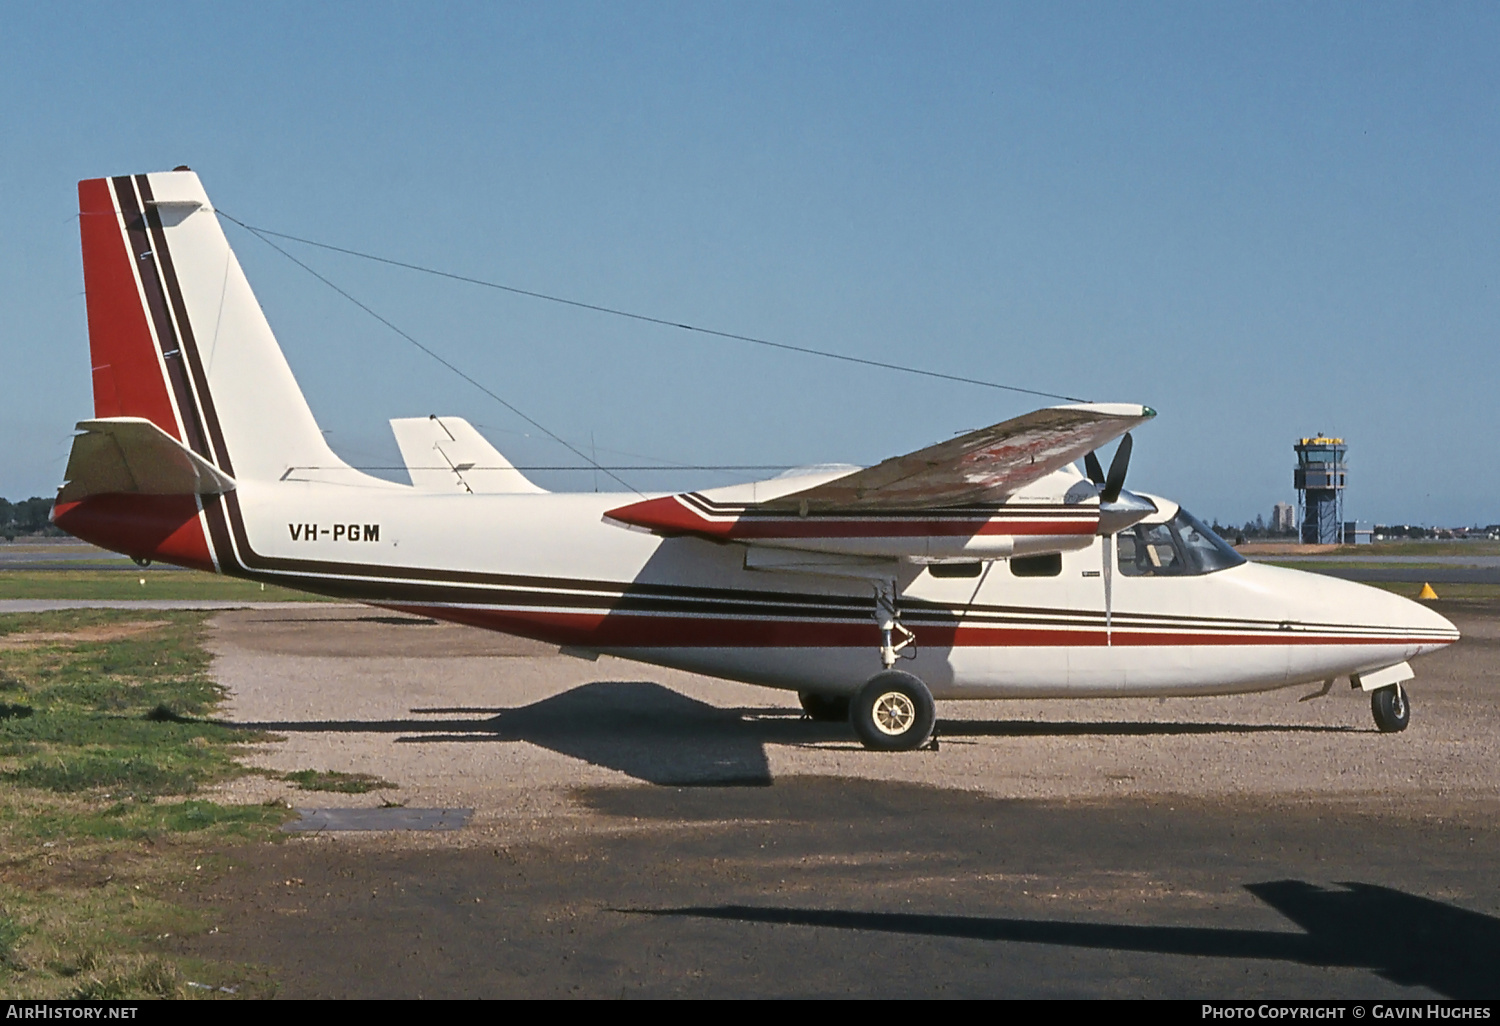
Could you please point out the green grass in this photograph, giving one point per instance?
(1423, 548)
(343, 783)
(121, 584)
(108, 740)
(96, 707)
(10, 933)
(126, 819)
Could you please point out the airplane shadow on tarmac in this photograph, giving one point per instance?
(642, 729)
(1409, 940)
(656, 735)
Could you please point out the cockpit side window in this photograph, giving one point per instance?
(1150, 550)
(1181, 547)
(1209, 552)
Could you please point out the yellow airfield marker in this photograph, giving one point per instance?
(1426, 592)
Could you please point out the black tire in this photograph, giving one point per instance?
(1391, 707)
(824, 708)
(893, 712)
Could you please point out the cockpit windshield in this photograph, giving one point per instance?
(1181, 547)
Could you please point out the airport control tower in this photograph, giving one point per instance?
(1319, 480)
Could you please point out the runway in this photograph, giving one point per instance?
(637, 832)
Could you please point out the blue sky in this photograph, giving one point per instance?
(1262, 220)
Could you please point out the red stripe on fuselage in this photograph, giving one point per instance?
(629, 630)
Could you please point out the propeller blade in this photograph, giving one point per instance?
(1117, 468)
(1095, 472)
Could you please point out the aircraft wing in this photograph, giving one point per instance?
(946, 501)
(982, 466)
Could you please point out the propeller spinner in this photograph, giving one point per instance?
(1118, 508)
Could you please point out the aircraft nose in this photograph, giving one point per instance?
(1319, 599)
(1426, 628)
(1430, 619)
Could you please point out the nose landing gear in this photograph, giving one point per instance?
(1391, 707)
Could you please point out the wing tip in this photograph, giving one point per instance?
(1137, 411)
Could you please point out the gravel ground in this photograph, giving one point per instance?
(1244, 847)
(458, 717)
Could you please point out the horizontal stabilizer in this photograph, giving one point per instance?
(132, 455)
(446, 454)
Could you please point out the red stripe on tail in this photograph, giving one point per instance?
(127, 372)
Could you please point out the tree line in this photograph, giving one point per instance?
(27, 516)
(1251, 530)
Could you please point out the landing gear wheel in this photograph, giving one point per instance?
(893, 712)
(824, 708)
(1391, 708)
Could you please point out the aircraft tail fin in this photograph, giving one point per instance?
(177, 337)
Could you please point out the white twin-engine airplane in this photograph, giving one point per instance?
(987, 566)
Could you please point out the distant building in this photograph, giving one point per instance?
(1357, 532)
(1283, 518)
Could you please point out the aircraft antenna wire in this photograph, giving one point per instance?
(646, 318)
(438, 357)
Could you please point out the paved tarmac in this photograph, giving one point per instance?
(65, 554)
(638, 832)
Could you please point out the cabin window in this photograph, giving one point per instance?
(1181, 547)
(1049, 565)
(970, 569)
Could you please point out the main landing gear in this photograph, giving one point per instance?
(1391, 707)
(893, 712)
(894, 638)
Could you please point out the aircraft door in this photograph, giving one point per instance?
(1155, 591)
